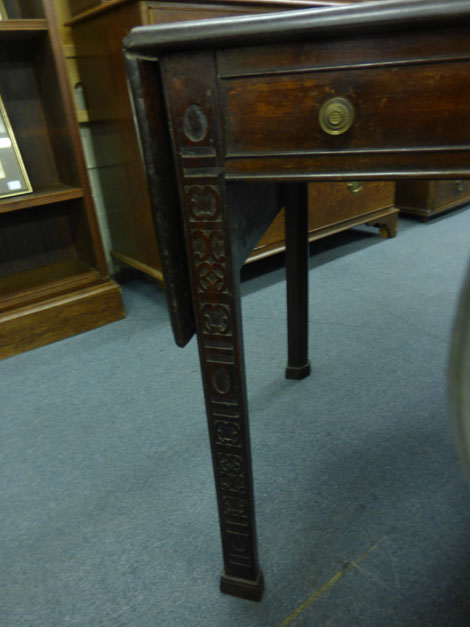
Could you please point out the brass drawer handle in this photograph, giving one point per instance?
(336, 116)
(458, 186)
(355, 187)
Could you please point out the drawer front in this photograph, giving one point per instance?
(448, 193)
(331, 203)
(422, 106)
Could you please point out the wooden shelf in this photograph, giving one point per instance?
(21, 30)
(41, 197)
(47, 281)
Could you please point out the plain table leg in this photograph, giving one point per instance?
(296, 212)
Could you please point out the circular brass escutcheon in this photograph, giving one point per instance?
(355, 187)
(336, 116)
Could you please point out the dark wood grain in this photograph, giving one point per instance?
(145, 87)
(279, 114)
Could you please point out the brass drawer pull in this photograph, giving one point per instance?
(458, 186)
(336, 116)
(355, 187)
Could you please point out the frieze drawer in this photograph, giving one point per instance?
(280, 114)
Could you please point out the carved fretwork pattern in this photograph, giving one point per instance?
(235, 509)
(215, 300)
(239, 555)
(203, 203)
(231, 472)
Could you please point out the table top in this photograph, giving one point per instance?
(296, 25)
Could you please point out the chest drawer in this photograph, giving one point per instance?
(428, 198)
(451, 192)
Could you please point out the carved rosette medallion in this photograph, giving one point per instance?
(211, 277)
(216, 318)
(204, 202)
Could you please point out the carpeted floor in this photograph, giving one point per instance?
(108, 515)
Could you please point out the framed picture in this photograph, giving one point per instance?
(3, 11)
(13, 176)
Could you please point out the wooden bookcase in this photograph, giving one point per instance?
(53, 276)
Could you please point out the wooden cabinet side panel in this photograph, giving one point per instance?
(119, 166)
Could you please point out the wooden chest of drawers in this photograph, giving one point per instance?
(425, 199)
(335, 207)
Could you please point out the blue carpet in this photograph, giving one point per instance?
(108, 514)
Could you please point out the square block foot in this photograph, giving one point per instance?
(244, 588)
(298, 372)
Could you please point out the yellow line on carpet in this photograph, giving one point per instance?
(329, 584)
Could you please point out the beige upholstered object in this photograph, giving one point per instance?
(459, 377)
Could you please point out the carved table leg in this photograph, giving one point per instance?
(219, 329)
(296, 216)
(216, 299)
(216, 295)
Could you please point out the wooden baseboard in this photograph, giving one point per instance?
(425, 213)
(60, 317)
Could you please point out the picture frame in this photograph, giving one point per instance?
(3, 11)
(14, 179)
